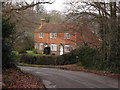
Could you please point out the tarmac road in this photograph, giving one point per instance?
(57, 78)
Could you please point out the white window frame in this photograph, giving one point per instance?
(66, 46)
(41, 46)
(40, 35)
(53, 35)
(55, 47)
(66, 36)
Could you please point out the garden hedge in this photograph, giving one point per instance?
(41, 60)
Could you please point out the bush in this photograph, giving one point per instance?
(35, 51)
(40, 60)
(72, 57)
(27, 58)
(60, 60)
(22, 51)
(8, 58)
(47, 50)
(53, 53)
(88, 57)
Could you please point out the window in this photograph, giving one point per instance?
(53, 35)
(36, 45)
(67, 36)
(41, 46)
(40, 35)
(53, 47)
(67, 48)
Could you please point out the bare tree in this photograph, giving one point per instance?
(25, 17)
(23, 5)
(105, 14)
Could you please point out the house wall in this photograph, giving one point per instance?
(59, 40)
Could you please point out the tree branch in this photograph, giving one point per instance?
(23, 7)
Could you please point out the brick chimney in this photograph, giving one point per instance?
(42, 21)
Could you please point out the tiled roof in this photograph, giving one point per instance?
(51, 27)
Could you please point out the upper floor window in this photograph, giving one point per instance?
(67, 36)
(53, 47)
(67, 48)
(40, 35)
(41, 46)
(53, 35)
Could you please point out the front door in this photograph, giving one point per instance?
(61, 50)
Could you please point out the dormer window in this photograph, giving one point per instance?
(53, 35)
(40, 35)
(67, 36)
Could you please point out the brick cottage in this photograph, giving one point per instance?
(61, 38)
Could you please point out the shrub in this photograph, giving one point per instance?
(53, 53)
(88, 57)
(35, 51)
(72, 57)
(46, 60)
(22, 51)
(8, 58)
(40, 60)
(60, 60)
(47, 50)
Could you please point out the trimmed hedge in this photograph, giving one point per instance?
(41, 60)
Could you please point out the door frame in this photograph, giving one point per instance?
(61, 51)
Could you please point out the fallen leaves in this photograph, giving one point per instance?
(15, 79)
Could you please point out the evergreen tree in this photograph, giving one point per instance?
(8, 58)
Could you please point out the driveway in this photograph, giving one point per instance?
(57, 78)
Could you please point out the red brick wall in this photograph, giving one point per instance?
(60, 39)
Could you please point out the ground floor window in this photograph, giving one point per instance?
(36, 45)
(53, 47)
(41, 46)
(67, 48)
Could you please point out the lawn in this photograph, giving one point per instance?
(15, 52)
(32, 53)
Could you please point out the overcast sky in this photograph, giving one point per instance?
(57, 5)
